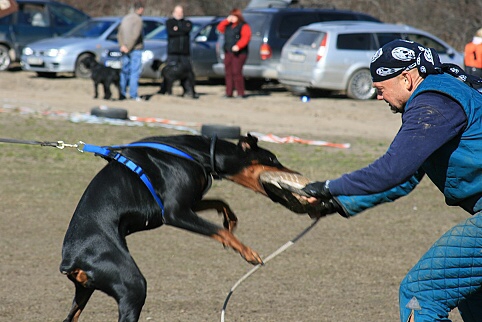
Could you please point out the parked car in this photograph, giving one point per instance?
(203, 49)
(271, 28)
(34, 20)
(337, 55)
(65, 54)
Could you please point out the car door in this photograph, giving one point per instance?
(203, 50)
(30, 23)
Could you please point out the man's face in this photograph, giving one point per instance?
(178, 13)
(394, 91)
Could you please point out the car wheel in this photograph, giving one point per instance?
(221, 131)
(360, 86)
(80, 69)
(4, 58)
(109, 112)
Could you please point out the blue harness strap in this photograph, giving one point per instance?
(109, 153)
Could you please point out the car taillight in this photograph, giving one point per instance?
(322, 49)
(265, 52)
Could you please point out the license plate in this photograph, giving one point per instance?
(296, 57)
(35, 61)
(113, 63)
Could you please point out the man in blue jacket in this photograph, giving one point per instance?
(441, 137)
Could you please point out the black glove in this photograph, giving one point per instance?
(327, 207)
(318, 189)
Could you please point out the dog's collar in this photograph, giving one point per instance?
(212, 150)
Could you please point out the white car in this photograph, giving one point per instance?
(65, 54)
(336, 56)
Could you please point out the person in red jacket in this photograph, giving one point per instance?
(473, 56)
(237, 35)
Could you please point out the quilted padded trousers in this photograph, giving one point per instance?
(448, 275)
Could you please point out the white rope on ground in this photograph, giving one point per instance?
(266, 260)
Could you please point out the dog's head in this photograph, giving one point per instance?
(89, 62)
(249, 162)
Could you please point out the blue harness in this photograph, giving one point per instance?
(109, 152)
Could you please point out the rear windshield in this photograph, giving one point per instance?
(256, 22)
(307, 38)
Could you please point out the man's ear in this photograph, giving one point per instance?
(406, 79)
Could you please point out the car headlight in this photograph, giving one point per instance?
(147, 55)
(27, 51)
(55, 52)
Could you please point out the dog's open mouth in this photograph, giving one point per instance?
(286, 189)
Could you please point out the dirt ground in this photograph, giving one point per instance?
(343, 270)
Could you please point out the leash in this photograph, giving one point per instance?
(270, 257)
(110, 153)
(58, 144)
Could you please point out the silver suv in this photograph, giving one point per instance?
(336, 56)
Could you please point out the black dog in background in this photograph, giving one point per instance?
(101, 74)
(178, 70)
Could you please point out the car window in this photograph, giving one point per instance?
(426, 42)
(356, 41)
(32, 14)
(158, 33)
(66, 16)
(386, 37)
(150, 25)
(256, 22)
(209, 32)
(290, 23)
(90, 29)
(307, 38)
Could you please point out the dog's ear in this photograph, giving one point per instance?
(248, 142)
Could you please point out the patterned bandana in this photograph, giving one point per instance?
(399, 55)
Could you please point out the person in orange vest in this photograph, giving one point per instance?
(473, 55)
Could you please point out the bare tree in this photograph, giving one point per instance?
(454, 21)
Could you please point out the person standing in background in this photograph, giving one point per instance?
(473, 56)
(131, 42)
(179, 47)
(237, 35)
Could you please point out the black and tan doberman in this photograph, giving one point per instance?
(117, 203)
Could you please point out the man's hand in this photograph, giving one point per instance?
(124, 49)
(318, 189)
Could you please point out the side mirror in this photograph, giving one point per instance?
(201, 39)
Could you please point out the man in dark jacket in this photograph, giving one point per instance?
(179, 51)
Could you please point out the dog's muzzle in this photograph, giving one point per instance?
(286, 189)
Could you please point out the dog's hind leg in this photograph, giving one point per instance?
(82, 296)
(230, 220)
(189, 220)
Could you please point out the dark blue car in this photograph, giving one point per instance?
(34, 20)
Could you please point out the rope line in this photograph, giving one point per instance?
(270, 257)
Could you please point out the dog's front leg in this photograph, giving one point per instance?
(189, 220)
(230, 220)
(96, 91)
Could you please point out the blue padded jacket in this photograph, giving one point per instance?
(455, 169)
